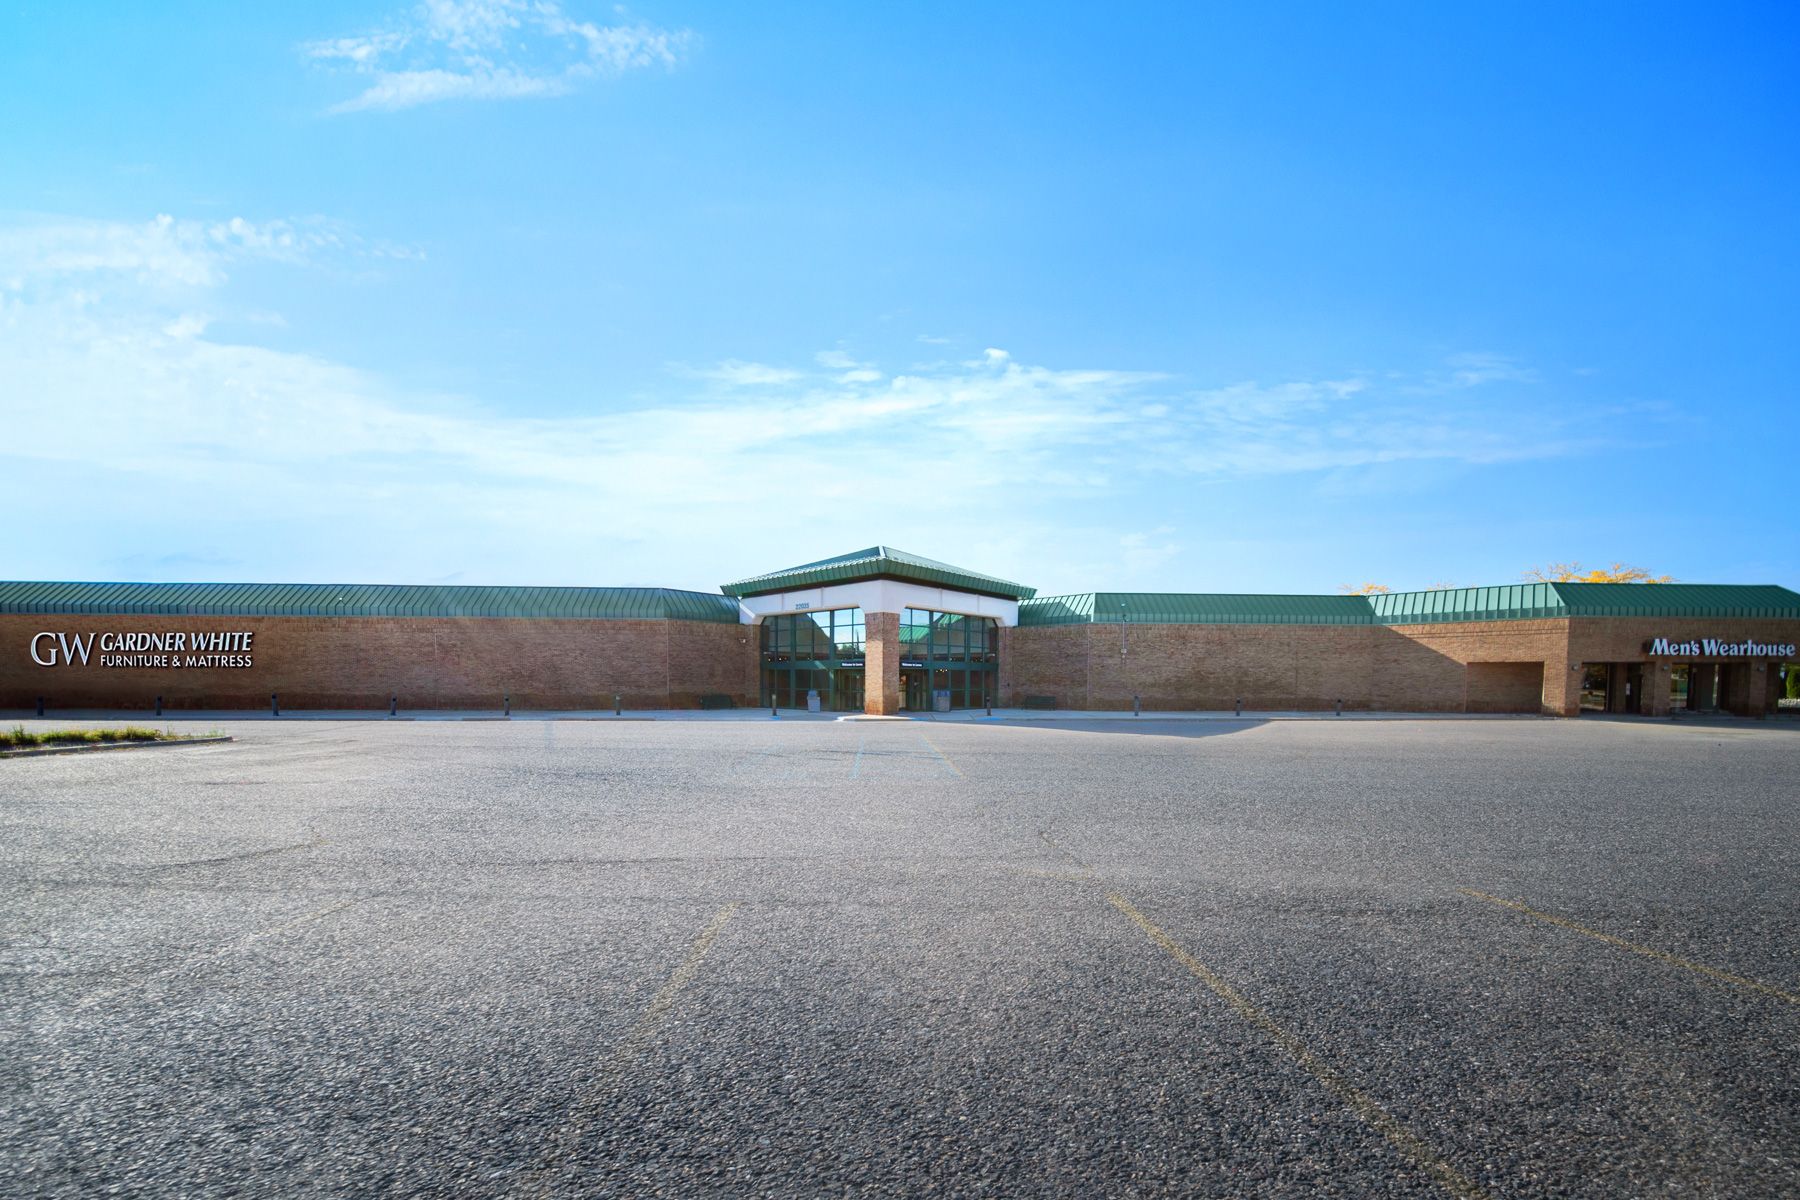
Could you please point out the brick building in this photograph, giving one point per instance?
(883, 631)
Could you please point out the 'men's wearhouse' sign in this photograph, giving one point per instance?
(1714, 648)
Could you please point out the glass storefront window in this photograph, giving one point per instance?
(832, 634)
(825, 649)
(954, 652)
(814, 651)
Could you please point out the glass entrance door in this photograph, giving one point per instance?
(846, 691)
(1594, 686)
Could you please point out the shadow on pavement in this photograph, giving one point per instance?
(1151, 726)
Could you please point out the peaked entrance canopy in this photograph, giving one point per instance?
(878, 562)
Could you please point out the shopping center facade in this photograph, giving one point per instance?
(881, 631)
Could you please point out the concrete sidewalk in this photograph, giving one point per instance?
(67, 716)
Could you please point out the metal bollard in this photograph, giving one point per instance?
(618, 709)
(394, 705)
(509, 704)
(774, 712)
(1240, 706)
(1137, 705)
(1340, 707)
(40, 706)
(990, 704)
(274, 704)
(159, 706)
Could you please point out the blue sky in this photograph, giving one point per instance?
(1190, 297)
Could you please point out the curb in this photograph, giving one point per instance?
(89, 747)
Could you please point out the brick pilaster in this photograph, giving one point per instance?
(1659, 689)
(881, 664)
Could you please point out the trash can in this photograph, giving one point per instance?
(812, 700)
(940, 700)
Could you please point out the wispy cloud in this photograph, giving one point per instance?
(1474, 370)
(108, 326)
(164, 252)
(489, 50)
(745, 374)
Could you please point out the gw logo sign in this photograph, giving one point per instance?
(73, 649)
(143, 649)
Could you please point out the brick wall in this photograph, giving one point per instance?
(1213, 666)
(707, 659)
(1505, 687)
(1426, 666)
(1050, 660)
(1306, 667)
(1474, 666)
(358, 662)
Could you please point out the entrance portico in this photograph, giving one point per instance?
(929, 632)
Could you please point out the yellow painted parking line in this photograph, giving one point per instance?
(942, 757)
(539, 1180)
(316, 915)
(1358, 1101)
(1060, 876)
(1647, 951)
(664, 1000)
(243, 943)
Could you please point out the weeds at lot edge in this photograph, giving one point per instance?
(20, 738)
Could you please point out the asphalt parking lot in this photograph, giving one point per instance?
(1503, 958)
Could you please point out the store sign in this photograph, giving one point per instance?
(1714, 648)
(171, 650)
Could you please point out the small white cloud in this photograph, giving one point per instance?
(1141, 551)
(995, 357)
(860, 375)
(837, 360)
(1473, 370)
(490, 50)
(358, 50)
(406, 89)
(748, 374)
(187, 325)
(165, 253)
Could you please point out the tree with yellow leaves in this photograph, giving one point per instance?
(1574, 572)
(1362, 589)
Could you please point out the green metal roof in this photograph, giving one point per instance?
(1182, 608)
(1679, 600)
(1058, 610)
(363, 600)
(1510, 602)
(877, 562)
